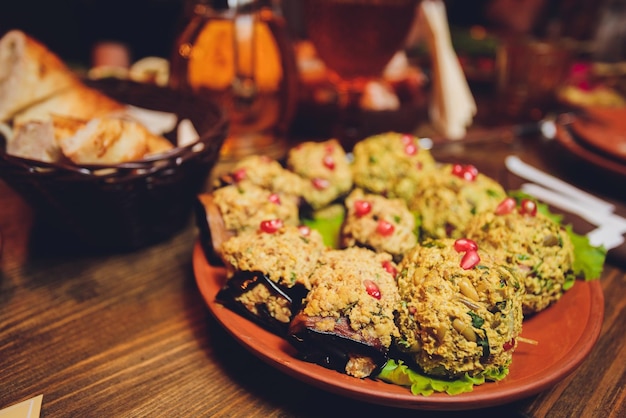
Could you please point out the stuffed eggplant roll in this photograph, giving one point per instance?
(347, 319)
(269, 271)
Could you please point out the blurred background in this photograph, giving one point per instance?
(149, 27)
(95, 33)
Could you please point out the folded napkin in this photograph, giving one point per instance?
(30, 408)
(452, 106)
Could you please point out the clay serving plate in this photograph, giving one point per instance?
(566, 333)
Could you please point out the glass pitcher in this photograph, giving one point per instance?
(240, 52)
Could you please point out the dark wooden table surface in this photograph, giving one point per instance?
(129, 335)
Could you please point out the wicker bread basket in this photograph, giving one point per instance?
(126, 206)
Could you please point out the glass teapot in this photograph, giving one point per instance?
(240, 52)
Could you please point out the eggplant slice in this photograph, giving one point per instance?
(235, 296)
(212, 231)
(335, 349)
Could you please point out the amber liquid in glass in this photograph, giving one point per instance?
(357, 38)
(209, 59)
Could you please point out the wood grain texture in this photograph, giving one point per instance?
(128, 335)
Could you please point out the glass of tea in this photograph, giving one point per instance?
(356, 39)
(239, 52)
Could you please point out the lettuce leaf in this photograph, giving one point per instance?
(397, 372)
(328, 223)
(588, 259)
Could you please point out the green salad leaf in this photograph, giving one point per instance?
(588, 259)
(397, 372)
(328, 223)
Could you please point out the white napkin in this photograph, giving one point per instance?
(452, 106)
(155, 121)
(30, 408)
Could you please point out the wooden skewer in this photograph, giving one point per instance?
(527, 341)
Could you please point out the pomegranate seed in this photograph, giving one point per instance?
(274, 198)
(389, 268)
(506, 206)
(320, 184)
(509, 345)
(362, 208)
(528, 207)
(271, 226)
(372, 288)
(410, 149)
(465, 244)
(385, 228)
(406, 139)
(470, 260)
(304, 230)
(466, 172)
(329, 162)
(457, 170)
(470, 173)
(239, 175)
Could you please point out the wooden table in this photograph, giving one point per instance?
(129, 335)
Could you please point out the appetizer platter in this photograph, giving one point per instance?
(576, 319)
(394, 278)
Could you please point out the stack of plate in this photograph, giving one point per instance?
(598, 136)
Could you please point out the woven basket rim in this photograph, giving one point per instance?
(86, 169)
(177, 156)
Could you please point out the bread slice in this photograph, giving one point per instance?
(35, 140)
(79, 101)
(29, 73)
(106, 140)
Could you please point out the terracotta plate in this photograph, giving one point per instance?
(566, 333)
(604, 129)
(583, 151)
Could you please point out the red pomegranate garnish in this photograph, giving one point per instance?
(304, 230)
(389, 268)
(470, 173)
(410, 149)
(372, 288)
(274, 198)
(406, 139)
(466, 172)
(385, 228)
(465, 244)
(239, 174)
(320, 184)
(506, 206)
(362, 208)
(528, 207)
(470, 260)
(329, 162)
(509, 345)
(272, 225)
